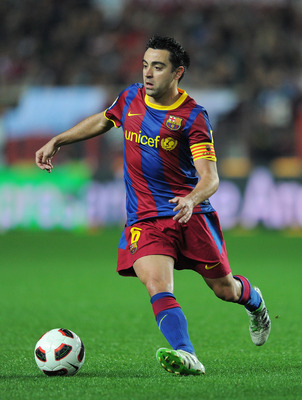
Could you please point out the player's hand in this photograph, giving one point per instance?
(44, 156)
(184, 206)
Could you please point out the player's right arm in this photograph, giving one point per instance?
(92, 126)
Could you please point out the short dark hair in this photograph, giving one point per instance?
(178, 55)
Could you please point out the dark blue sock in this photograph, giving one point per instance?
(254, 301)
(249, 297)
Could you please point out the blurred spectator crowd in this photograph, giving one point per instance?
(76, 42)
(253, 47)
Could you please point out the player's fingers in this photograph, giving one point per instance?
(40, 164)
(44, 165)
(38, 158)
(182, 212)
(41, 158)
(174, 200)
(180, 219)
(179, 207)
(185, 218)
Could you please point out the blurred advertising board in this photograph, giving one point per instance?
(69, 199)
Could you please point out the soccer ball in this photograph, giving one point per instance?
(59, 352)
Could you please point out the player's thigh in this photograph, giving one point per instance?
(156, 273)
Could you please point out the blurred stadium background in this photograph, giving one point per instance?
(61, 61)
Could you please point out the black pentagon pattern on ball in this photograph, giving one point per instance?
(59, 372)
(62, 351)
(81, 353)
(66, 332)
(76, 368)
(41, 355)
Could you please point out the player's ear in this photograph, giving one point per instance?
(179, 72)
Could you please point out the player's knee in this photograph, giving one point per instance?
(155, 286)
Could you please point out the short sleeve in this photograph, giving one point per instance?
(201, 138)
(115, 112)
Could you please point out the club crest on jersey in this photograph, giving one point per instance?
(173, 123)
(168, 143)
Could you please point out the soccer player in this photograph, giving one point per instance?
(171, 224)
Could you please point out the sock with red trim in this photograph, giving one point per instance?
(172, 321)
(249, 297)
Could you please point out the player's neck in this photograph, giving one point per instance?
(167, 99)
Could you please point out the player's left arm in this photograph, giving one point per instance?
(206, 187)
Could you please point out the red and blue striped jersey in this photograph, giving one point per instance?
(160, 144)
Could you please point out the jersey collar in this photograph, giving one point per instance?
(172, 106)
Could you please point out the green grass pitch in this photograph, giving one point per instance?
(56, 279)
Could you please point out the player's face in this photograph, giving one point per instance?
(159, 78)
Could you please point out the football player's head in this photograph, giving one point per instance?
(178, 56)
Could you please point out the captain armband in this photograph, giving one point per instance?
(203, 150)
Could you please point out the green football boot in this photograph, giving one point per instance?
(179, 362)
